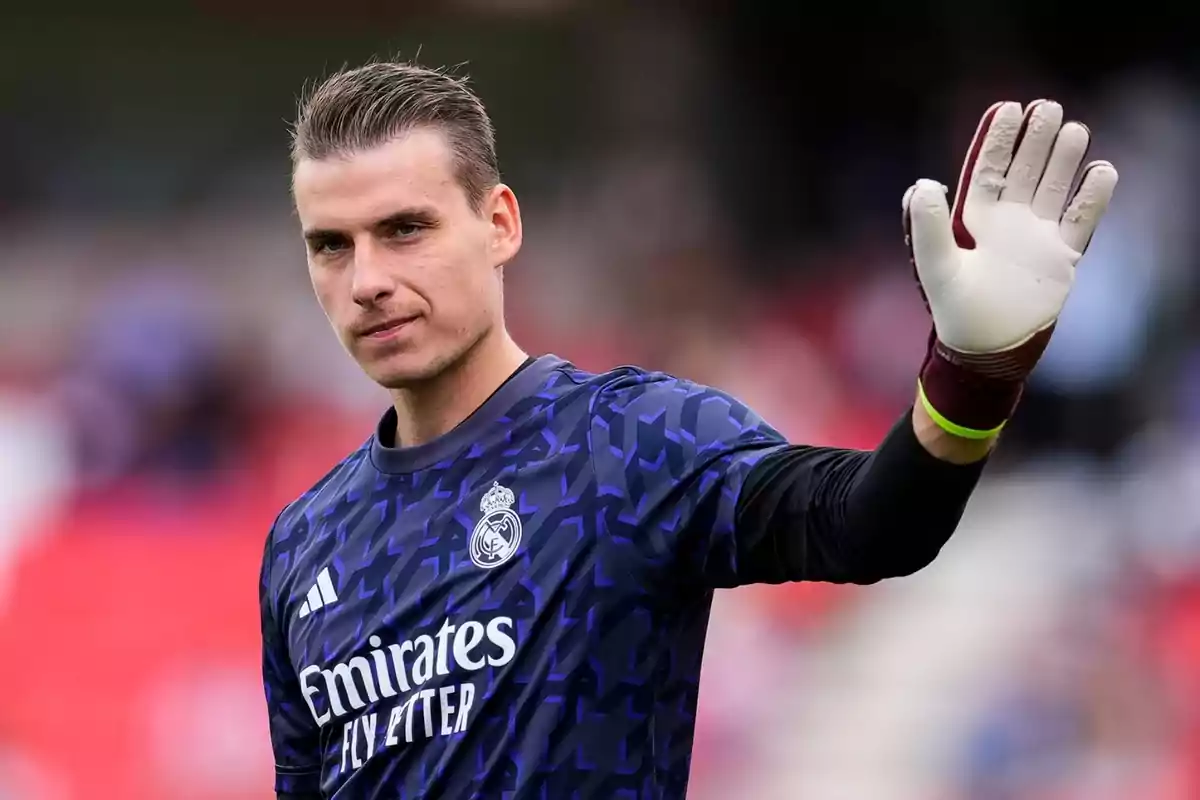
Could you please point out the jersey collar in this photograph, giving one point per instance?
(525, 382)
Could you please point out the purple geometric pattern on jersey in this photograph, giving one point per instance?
(568, 671)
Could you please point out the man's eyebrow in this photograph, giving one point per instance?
(416, 215)
(322, 235)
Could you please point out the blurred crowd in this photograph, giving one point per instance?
(167, 383)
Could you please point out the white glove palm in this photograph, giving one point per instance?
(997, 270)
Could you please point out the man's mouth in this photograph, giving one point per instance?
(386, 328)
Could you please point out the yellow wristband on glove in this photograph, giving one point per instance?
(951, 427)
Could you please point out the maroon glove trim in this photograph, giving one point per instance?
(979, 391)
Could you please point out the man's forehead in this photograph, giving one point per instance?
(412, 170)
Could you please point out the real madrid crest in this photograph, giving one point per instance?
(498, 532)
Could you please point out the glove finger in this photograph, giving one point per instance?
(1070, 147)
(904, 203)
(1035, 140)
(931, 238)
(908, 243)
(1088, 206)
(987, 161)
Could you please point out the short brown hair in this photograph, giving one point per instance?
(357, 109)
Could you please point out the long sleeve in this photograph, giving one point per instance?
(848, 516)
(295, 737)
(693, 478)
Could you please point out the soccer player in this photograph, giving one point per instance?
(504, 591)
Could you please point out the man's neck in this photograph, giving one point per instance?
(434, 409)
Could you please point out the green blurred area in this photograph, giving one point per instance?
(133, 114)
(135, 109)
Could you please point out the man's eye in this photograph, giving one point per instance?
(405, 230)
(327, 247)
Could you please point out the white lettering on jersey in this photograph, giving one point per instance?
(403, 669)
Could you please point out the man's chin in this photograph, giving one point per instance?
(403, 371)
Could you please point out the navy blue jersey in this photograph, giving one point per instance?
(517, 609)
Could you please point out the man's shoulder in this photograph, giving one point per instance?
(288, 534)
(642, 407)
(332, 486)
(648, 394)
(630, 383)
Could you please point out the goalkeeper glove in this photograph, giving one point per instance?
(996, 271)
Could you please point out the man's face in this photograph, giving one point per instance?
(405, 270)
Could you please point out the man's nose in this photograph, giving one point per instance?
(373, 282)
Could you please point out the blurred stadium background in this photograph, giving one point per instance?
(711, 191)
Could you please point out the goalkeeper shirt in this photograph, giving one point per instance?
(518, 608)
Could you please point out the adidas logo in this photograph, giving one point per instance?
(320, 594)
